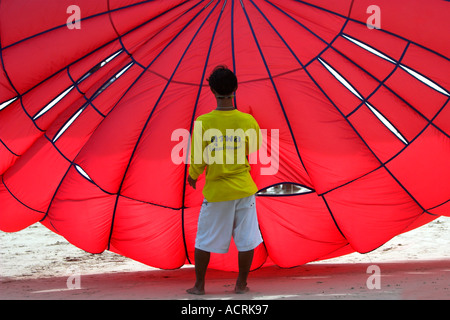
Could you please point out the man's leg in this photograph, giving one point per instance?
(245, 261)
(201, 264)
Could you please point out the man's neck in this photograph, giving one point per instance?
(225, 104)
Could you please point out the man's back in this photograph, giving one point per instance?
(221, 141)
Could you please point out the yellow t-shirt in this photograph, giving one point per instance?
(221, 142)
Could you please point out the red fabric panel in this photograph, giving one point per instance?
(15, 216)
(297, 229)
(383, 210)
(415, 20)
(35, 176)
(82, 213)
(329, 163)
(96, 166)
(148, 233)
(430, 154)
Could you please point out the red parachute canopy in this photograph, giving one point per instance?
(92, 91)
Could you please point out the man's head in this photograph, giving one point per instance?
(222, 82)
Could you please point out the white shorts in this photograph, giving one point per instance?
(218, 221)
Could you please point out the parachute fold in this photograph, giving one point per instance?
(356, 95)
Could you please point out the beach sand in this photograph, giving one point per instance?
(36, 263)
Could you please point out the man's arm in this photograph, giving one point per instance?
(192, 182)
(197, 162)
(255, 140)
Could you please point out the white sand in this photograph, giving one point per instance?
(35, 263)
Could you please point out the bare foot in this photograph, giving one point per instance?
(240, 289)
(195, 290)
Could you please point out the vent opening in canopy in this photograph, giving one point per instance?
(284, 189)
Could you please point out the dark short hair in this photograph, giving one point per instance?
(223, 81)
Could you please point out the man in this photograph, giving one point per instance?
(229, 205)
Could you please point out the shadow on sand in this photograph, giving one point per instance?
(397, 280)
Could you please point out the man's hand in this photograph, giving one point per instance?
(192, 182)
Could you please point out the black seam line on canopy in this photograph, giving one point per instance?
(94, 95)
(115, 194)
(94, 183)
(316, 35)
(92, 52)
(192, 124)
(71, 119)
(364, 23)
(332, 217)
(337, 108)
(75, 83)
(17, 199)
(54, 145)
(56, 191)
(90, 100)
(101, 89)
(46, 107)
(7, 148)
(44, 133)
(138, 63)
(304, 67)
(174, 208)
(390, 90)
(240, 82)
(108, 82)
(408, 69)
(92, 71)
(20, 96)
(9, 80)
(233, 54)
(328, 44)
(365, 102)
(80, 20)
(430, 123)
(400, 232)
(72, 163)
(62, 155)
(159, 54)
(119, 37)
(3, 143)
(156, 104)
(354, 129)
(398, 65)
(80, 110)
(384, 242)
(104, 86)
(105, 45)
(184, 207)
(383, 84)
(13, 87)
(4, 68)
(273, 84)
(441, 204)
(428, 120)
